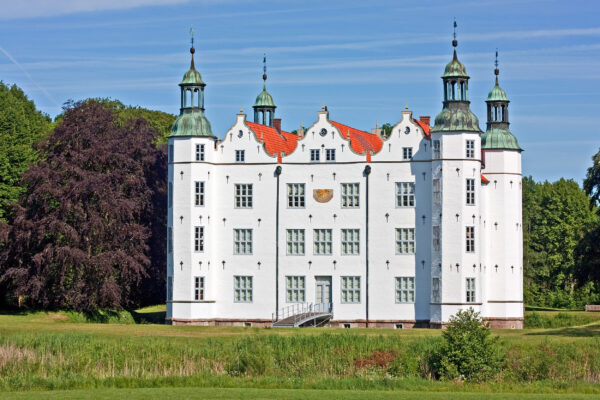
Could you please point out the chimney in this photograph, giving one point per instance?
(301, 131)
(425, 119)
(277, 124)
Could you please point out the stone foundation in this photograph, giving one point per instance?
(505, 323)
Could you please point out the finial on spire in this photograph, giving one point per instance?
(264, 66)
(192, 40)
(454, 41)
(242, 109)
(406, 106)
(496, 70)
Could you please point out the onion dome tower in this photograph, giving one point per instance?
(497, 135)
(191, 120)
(456, 114)
(264, 106)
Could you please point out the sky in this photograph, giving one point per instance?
(365, 60)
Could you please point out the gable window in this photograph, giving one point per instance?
(242, 241)
(350, 242)
(350, 289)
(199, 238)
(470, 192)
(295, 289)
(437, 149)
(295, 242)
(470, 292)
(407, 153)
(405, 240)
(198, 193)
(199, 288)
(436, 292)
(242, 289)
(322, 242)
(330, 155)
(436, 237)
(315, 155)
(405, 194)
(295, 195)
(470, 239)
(199, 152)
(243, 195)
(240, 156)
(350, 195)
(405, 289)
(470, 148)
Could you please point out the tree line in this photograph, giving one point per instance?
(83, 212)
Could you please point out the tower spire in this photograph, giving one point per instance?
(264, 70)
(496, 70)
(192, 50)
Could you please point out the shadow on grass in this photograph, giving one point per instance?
(157, 317)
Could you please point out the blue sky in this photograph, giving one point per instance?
(364, 60)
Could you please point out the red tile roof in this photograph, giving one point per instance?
(424, 125)
(360, 141)
(275, 143)
(484, 179)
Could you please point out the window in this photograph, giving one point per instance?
(295, 289)
(243, 195)
(295, 195)
(171, 153)
(330, 154)
(240, 155)
(437, 191)
(198, 238)
(169, 240)
(170, 194)
(350, 242)
(322, 242)
(169, 288)
(405, 194)
(470, 192)
(242, 289)
(406, 153)
(470, 290)
(436, 238)
(436, 292)
(350, 289)
(199, 193)
(470, 239)
(470, 149)
(405, 241)
(199, 152)
(437, 149)
(242, 241)
(350, 195)
(199, 288)
(315, 155)
(405, 290)
(295, 242)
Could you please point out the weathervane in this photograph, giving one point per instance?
(496, 62)
(264, 66)
(454, 42)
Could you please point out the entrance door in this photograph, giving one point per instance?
(323, 292)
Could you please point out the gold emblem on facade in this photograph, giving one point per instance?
(322, 195)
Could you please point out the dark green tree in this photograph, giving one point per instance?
(21, 127)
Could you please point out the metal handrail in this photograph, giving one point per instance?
(302, 310)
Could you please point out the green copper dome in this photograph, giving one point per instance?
(456, 117)
(499, 138)
(264, 99)
(497, 94)
(455, 68)
(191, 123)
(192, 77)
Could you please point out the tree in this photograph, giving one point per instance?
(89, 231)
(591, 184)
(21, 127)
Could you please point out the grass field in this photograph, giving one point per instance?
(66, 354)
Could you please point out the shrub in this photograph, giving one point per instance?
(468, 352)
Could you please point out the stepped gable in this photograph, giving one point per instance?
(275, 143)
(360, 141)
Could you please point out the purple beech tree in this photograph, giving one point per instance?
(89, 232)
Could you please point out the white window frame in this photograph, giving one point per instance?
(436, 235)
(296, 195)
(295, 289)
(405, 241)
(405, 289)
(437, 191)
(350, 195)
(470, 291)
(171, 153)
(199, 288)
(315, 155)
(240, 156)
(470, 149)
(199, 239)
(295, 242)
(470, 239)
(199, 152)
(169, 288)
(243, 195)
(169, 239)
(350, 242)
(242, 241)
(323, 242)
(329, 154)
(436, 290)
(350, 289)
(243, 289)
(405, 194)
(199, 193)
(170, 195)
(407, 153)
(437, 149)
(470, 191)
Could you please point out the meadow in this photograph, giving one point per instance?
(64, 355)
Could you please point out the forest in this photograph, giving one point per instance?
(83, 213)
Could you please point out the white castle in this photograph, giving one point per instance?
(331, 225)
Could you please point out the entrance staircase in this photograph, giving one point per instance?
(303, 315)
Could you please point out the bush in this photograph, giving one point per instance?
(468, 352)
